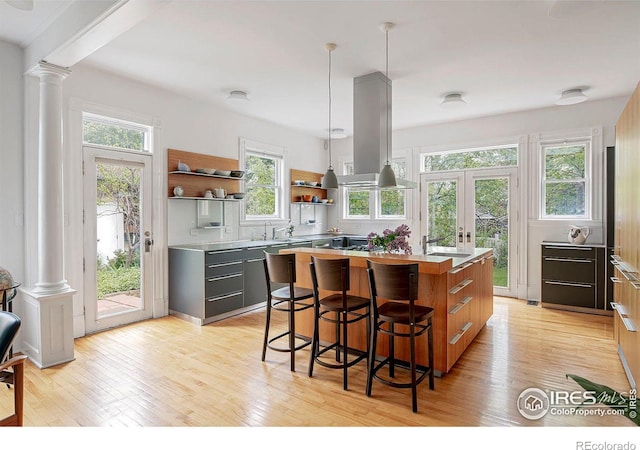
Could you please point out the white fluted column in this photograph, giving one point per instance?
(47, 311)
(50, 209)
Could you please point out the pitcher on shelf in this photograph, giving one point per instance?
(578, 235)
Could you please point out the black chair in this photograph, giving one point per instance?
(9, 326)
(398, 284)
(290, 299)
(338, 308)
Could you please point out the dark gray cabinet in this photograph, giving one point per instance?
(209, 285)
(574, 277)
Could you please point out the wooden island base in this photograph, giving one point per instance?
(459, 289)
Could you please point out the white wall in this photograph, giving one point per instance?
(11, 160)
(524, 128)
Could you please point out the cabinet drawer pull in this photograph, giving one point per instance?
(466, 300)
(257, 248)
(615, 279)
(636, 285)
(226, 277)
(568, 260)
(211, 266)
(628, 324)
(279, 246)
(222, 297)
(459, 334)
(224, 251)
(559, 283)
(255, 260)
(568, 248)
(457, 307)
(460, 286)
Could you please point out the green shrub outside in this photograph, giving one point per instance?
(120, 279)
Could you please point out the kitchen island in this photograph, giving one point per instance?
(458, 287)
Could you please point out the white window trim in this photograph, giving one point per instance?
(588, 177)
(375, 203)
(255, 147)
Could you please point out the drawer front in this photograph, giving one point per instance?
(223, 256)
(578, 270)
(219, 269)
(276, 248)
(570, 294)
(575, 251)
(216, 286)
(222, 304)
(254, 253)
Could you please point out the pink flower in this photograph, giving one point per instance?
(392, 241)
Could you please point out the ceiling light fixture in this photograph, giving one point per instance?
(24, 5)
(338, 133)
(571, 97)
(453, 100)
(387, 176)
(239, 96)
(330, 181)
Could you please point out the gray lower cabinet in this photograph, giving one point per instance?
(209, 285)
(573, 277)
(255, 284)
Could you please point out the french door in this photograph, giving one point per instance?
(117, 237)
(474, 208)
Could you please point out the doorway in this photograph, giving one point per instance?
(474, 208)
(118, 237)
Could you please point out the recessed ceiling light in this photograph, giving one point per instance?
(571, 97)
(239, 96)
(453, 100)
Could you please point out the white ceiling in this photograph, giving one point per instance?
(503, 56)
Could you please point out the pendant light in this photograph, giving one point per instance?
(387, 178)
(330, 181)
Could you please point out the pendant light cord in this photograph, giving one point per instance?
(387, 88)
(329, 133)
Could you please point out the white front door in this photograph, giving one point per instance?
(118, 238)
(474, 208)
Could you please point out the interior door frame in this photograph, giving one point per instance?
(465, 192)
(92, 154)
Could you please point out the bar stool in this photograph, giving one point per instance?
(338, 308)
(290, 299)
(399, 285)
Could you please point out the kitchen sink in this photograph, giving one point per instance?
(450, 254)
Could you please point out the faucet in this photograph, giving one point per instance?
(264, 235)
(426, 241)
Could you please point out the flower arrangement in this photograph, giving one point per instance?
(391, 241)
(290, 228)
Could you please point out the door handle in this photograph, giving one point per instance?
(468, 236)
(148, 242)
(460, 238)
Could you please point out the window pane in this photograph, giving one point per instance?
(442, 214)
(495, 157)
(564, 163)
(358, 203)
(260, 201)
(260, 170)
(565, 199)
(100, 133)
(392, 202)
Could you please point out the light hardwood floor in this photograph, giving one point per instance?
(167, 372)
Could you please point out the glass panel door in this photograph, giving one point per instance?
(117, 211)
(474, 208)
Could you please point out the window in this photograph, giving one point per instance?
(101, 130)
(470, 159)
(565, 182)
(264, 179)
(388, 203)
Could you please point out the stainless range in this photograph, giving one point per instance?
(358, 243)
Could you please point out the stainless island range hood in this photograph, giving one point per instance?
(371, 128)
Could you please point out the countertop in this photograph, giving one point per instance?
(566, 244)
(430, 263)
